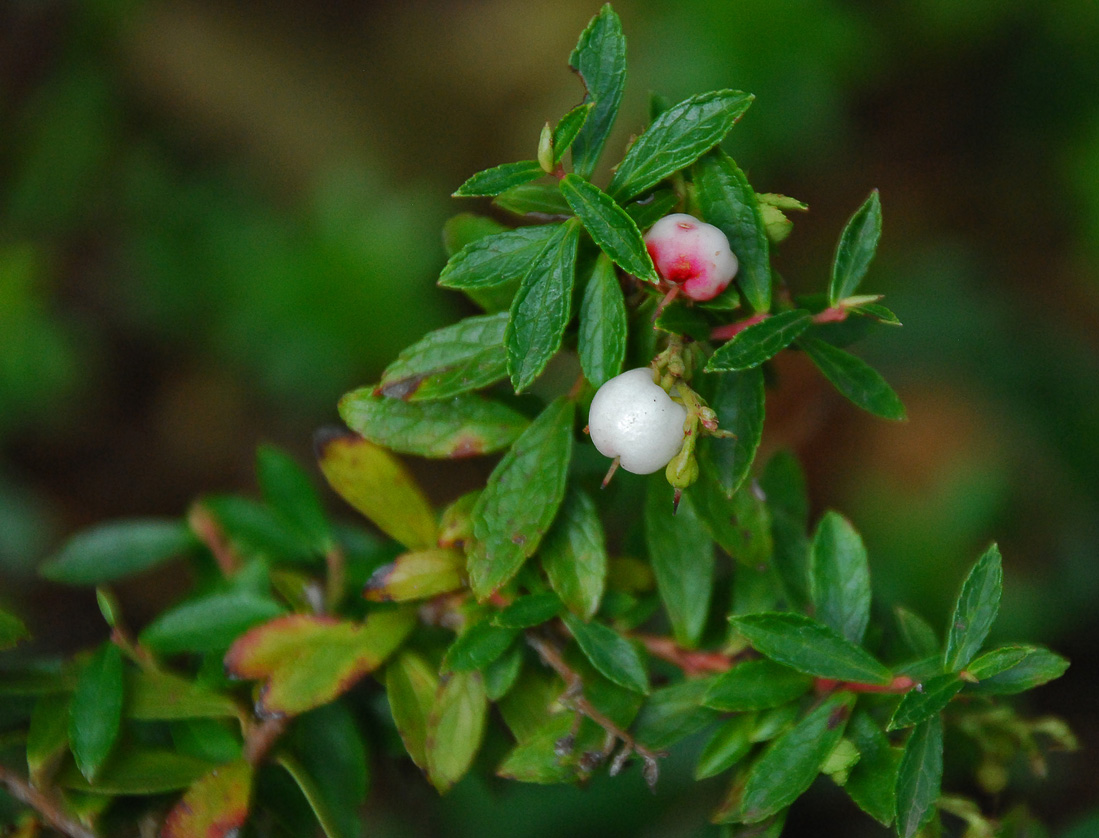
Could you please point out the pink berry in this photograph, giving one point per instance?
(692, 254)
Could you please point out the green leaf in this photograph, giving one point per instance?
(410, 685)
(376, 483)
(251, 527)
(610, 653)
(138, 772)
(497, 259)
(857, 245)
(498, 179)
(502, 674)
(1035, 666)
(462, 426)
(855, 379)
(603, 326)
(521, 499)
(690, 321)
(542, 199)
(539, 759)
(791, 762)
(529, 611)
(96, 711)
(671, 714)
(542, 307)
(646, 211)
(530, 702)
(418, 575)
(478, 646)
(306, 661)
(209, 623)
(975, 611)
(465, 228)
(729, 203)
(738, 401)
(728, 746)
(760, 342)
(467, 355)
(682, 556)
(155, 694)
(566, 130)
(676, 138)
(919, 778)
(756, 685)
(917, 633)
(455, 728)
(872, 782)
(574, 555)
(216, 805)
(288, 490)
(609, 226)
(783, 485)
(328, 749)
(811, 647)
(47, 737)
(117, 549)
(926, 700)
(600, 60)
(839, 577)
(740, 525)
(12, 630)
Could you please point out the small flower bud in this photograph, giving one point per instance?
(691, 254)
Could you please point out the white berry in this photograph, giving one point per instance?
(633, 419)
(692, 254)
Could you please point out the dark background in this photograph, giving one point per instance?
(217, 218)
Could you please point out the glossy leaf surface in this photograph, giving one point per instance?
(542, 307)
(493, 181)
(974, 611)
(463, 426)
(857, 245)
(840, 577)
(919, 779)
(467, 355)
(855, 379)
(760, 342)
(810, 647)
(574, 555)
(521, 499)
(729, 203)
(675, 139)
(609, 226)
(600, 60)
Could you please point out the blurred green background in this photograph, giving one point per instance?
(217, 218)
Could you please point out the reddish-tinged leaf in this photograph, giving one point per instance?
(376, 483)
(417, 575)
(214, 807)
(306, 661)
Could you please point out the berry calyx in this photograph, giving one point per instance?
(633, 420)
(691, 255)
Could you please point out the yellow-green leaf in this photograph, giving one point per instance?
(376, 483)
(305, 661)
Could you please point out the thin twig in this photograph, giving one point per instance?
(209, 532)
(262, 736)
(574, 699)
(46, 806)
(693, 662)
(336, 579)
